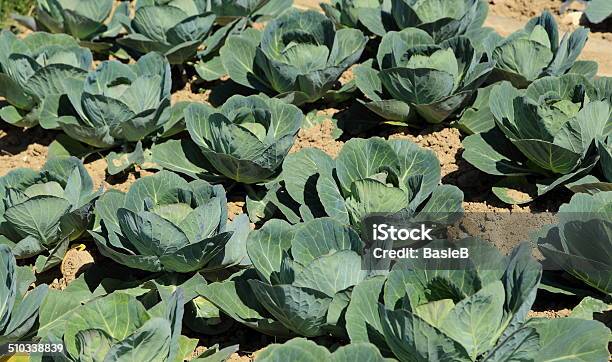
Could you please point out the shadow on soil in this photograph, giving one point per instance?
(14, 140)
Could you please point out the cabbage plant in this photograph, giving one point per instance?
(34, 72)
(418, 77)
(90, 21)
(302, 279)
(174, 28)
(43, 211)
(536, 51)
(245, 140)
(585, 218)
(20, 306)
(164, 223)
(544, 137)
(233, 17)
(299, 56)
(442, 19)
(118, 327)
(473, 311)
(117, 105)
(368, 176)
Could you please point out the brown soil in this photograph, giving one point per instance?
(189, 93)
(444, 142)
(522, 9)
(550, 314)
(235, 357)
(20, 148)
(485, 217)
(238, 358)
(319, 136)
(348, 75)
(234, 208)
(76, 260)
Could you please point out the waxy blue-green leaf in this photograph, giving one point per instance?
(598, 10)
(301, 310)
(92, 22)
(247, 138)
(117, 105)
(298, 57)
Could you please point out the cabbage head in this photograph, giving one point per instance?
(164, 223)
(536, 51)
(43, 211)
(585, 218)
(544, 137)
(33, 72)
(90, 21)
(117, 103)
(174, 28)
(301, 281)
(299, 56)
(442, 19)
(369, 176)
(245, 140)
(420, 78)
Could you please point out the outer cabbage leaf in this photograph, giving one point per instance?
(441, 19)
(92, 22)
(303, 350)
(477, 311)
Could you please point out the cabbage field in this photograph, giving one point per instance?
(207, 180)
